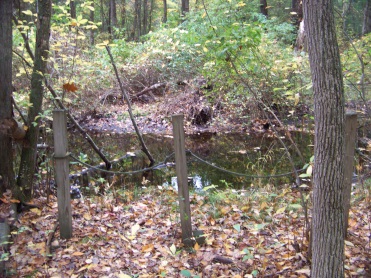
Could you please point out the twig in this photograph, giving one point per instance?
(19, 111)
(153, 87)
(144, 147)
(49, 240)
(83, 132)
(26, 44)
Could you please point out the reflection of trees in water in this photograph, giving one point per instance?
(250, 154)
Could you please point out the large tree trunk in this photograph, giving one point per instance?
(6, 155)
(367, 19)
(29, 151)
(328, 174)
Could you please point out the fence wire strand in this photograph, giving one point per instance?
(165, 163)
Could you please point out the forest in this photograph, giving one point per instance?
(189, 138)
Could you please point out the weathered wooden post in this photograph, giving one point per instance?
(61, 173)
(350, 143)
(182, 180)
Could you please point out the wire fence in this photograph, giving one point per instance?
(166, 163)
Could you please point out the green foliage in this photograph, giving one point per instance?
(357, 77)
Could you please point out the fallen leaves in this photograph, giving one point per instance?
(245, 236)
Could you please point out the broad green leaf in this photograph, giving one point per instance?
(186, 273)
(237, 227)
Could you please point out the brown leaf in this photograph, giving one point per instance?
(70, 87)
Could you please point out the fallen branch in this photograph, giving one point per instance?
(125, 95)
(223, 260)
(48, 246)
(83, 132)
(153, 87)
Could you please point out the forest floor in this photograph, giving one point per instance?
(259, 232)
(255, 232)
(200, 115)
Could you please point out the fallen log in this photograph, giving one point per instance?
(153, 87)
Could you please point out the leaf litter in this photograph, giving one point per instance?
(248, 233)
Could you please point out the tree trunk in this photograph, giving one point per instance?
(73, 8)
(152, 3)
(329, 149)
(263, 7)
(137, 20)
(112, 16)
(185, 7)
(367, 19)
(103, 19)
(145, 16)
(123, 14)
(164, 19)
(91, 32)
(6, 154)
(297, 12)
(29, 151)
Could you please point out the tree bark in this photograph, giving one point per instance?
(91, 32)
(103, 19)
(123, 14)
(329, 149)
(367, 19)
(145, 17)
(112, 15)
(73, 9)
(185, 7)
(297, 10)
(6, 154)
(164, 19)
(137, 19)
(29, 151)
(263, 7)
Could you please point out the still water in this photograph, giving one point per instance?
(250, 154)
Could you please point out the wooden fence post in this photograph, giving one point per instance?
(350, 143)
(62, 173)
(182, 180)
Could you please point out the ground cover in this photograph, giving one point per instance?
(256, 232)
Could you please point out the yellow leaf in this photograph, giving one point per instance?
(263, 205)
(196, 247)
(36, 210)
(348, 243)
(147, 248)
(205, 49)
(77, 253)
(280, 210)
(309, 170)
(122, 275)
(87, 216)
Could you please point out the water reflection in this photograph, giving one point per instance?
(260, 154)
